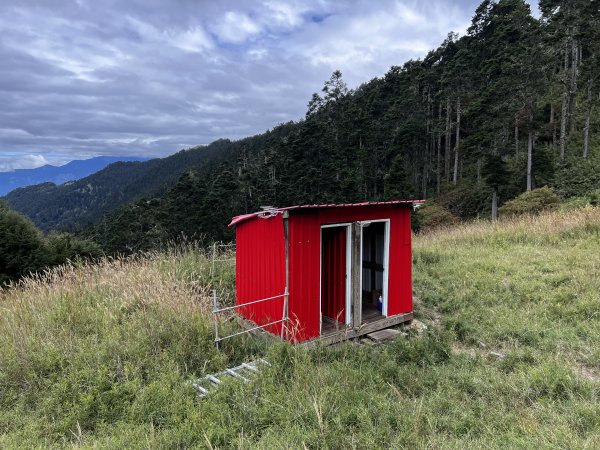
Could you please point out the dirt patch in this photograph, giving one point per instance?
(430, 314)
(587, 373)
(482, 350)
(459, 349)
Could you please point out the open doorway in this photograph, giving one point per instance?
(335, 277)
(375, 251)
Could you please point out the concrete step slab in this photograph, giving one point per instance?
(384, 335)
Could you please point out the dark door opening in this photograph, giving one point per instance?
(373, 266)
(333, 275)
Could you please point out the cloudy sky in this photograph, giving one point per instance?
(83, 78)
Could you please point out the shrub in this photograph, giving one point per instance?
(431, 215)
(531, 202)
(24, 250)
(21, 246)
(589, 199)
(61, 247)
(465, 200)
(577, 176)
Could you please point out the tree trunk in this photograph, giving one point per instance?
(588, 115)
(447, 143)
(424, 187)
(457, 144)
(495, 205)
(529, 160)
(427, 158)
(439, 151)
(431, 150)
(530, 150)
(573, 88)
(563, 111)
(516, 138)
(553, 125)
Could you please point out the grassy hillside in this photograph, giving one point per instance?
(100, 356)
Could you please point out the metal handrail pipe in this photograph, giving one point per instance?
(248, 330)
(228, 308)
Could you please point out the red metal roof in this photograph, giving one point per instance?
(239, 219)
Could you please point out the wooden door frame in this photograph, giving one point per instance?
(357, 271)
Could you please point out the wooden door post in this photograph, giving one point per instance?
(356, 275)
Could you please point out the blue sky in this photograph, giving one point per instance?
(81, 78)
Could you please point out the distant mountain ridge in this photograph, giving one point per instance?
(71, 206)
(71, 171)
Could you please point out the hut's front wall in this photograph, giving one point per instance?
(305, 255)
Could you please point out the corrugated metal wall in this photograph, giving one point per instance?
(260, 269)
(400, 276)
(260, 266)
(400, 263)
(333, 267)
(304, 310)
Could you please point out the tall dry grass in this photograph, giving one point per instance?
(547, 225)
(164, 279)
(182, 278)
(127, 280)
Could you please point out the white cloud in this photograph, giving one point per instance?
(257, 53)
(192, 40)
(9, 164)
(235, 27)
(284, 16)
(410, 16)
(365, 41)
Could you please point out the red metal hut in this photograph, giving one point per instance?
(325, 271)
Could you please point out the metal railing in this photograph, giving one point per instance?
(218, 248)
(217, 311)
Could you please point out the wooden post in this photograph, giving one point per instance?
(356, 275)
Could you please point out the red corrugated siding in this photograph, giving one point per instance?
(304, 309)
(261, 263)
(333, 267)
(260, 269)
(400, 276)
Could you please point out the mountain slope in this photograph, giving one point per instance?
(75, 204)
(73, 170)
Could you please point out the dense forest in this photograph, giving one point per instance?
(510, 106)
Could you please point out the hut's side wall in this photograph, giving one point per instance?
(260, 269)
(304, 305)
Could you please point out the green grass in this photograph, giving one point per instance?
(101, 356)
